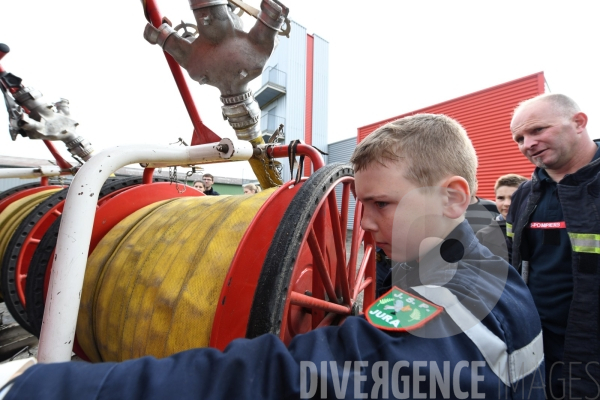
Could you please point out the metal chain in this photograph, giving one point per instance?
(173, 178)
(274, 168)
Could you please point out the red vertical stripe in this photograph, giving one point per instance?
(308, 118)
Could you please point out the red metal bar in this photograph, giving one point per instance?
(357, 236)
(344, 210)
(301, 150)
(340, 247)
(61, 162)
(4, 49)
(303, 300)
(44, 181)
(319, 263)
(361, 271)
(202, 134)
(147, 179)
(327, 321)
(365, 284)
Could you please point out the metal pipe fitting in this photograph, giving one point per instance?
(195, 4)
(242, 112)
(159, 36)
(271, 15)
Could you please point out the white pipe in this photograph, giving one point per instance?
(25, 173)
(72, 247)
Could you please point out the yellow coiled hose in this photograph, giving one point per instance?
(152, 284)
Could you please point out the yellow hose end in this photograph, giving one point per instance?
(267, 177)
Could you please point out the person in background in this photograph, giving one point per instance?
(251, 188)
(553, 229)
(490, 236)
(480, 211)
(199, 185)
(208, 183)
(505, 186)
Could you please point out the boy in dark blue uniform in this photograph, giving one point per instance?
(457, 322)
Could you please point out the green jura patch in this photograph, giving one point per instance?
(398, 310)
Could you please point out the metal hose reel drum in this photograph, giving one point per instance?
(152, 284)
(183, 273)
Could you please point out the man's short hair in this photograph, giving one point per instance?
(510, 180)
(433, 146)
(208, 176)
(562, 104)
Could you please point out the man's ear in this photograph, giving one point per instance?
(580, 120)
(457, 197)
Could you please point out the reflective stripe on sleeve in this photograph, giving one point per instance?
(510, 368)
(509, 231)
(585, 242)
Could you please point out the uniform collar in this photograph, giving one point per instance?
(583, 174)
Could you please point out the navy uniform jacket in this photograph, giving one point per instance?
(485, 347)
(579, 195)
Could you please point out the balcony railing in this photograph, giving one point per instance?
(270, 122)
(274, 76)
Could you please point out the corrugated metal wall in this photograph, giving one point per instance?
(486, 116)
(320, 93)
(341, 152)
(8, 183)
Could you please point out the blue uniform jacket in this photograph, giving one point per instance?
(487, 344)
(579, 196)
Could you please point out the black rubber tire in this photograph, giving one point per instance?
(8, 282)
(271, 292)
(34, 286)
(17, 189)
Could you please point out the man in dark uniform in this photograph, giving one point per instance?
(553, 230)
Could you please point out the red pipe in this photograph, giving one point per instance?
(147, 179)
(4, 49)
(61, 162)
(201, 131)
(302, 300)
(301, 150)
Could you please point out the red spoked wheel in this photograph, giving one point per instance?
(309, 279)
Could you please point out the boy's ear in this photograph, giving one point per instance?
(457, 197)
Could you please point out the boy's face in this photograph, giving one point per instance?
(405, 220)
(503, 198)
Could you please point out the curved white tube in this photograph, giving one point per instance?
(72, 247)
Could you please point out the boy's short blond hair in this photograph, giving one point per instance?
(510, 180)
(433, 147)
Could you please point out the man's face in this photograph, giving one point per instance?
(402, 217)
(503, 198)
(208, 182)
(544, 136)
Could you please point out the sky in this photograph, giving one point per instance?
(386, 58)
